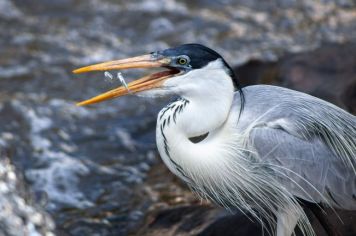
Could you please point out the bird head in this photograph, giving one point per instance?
(188, 68)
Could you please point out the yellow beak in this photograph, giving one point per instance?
(145, 83)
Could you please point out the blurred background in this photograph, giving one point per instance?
(68, 170)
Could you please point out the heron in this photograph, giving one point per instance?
(259, 149)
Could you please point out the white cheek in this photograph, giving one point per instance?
(173, 82)
(200, 82)
(154, 93)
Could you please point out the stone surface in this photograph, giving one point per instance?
(175, 210)
(328, 72)
(19, 214)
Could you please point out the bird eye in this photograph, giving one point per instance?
(182, 61)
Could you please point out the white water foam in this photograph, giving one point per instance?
(60, 173)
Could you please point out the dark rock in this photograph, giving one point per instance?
(184, 220)
(208, 220)
(328, 72)
(232, 225)
(202, 220)
(349, 97)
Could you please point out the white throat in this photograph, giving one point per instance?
(210, 93)
(207, 95)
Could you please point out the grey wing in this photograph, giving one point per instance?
(306, 167)
(309, 143)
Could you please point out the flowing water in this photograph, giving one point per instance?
(86, 164)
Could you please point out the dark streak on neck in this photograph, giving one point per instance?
(166, 122)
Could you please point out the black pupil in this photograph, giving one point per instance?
(182, 61)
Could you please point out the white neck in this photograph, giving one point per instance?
(201, 110)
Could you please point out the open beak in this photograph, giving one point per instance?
(145, 83)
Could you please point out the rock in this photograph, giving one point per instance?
(182, 220)
(328, 72)
(209, 221)
(176, 210)
(349, 97)
(19, 215)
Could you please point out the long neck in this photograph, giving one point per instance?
(189, 116)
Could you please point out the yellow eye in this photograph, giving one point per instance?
(182, 61)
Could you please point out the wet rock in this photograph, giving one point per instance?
(183, 220)
(175, 210)
(211, 221)
(237, 224)
(19, 215)
(348, 98)
(328, 72)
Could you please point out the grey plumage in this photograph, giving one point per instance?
(308, 140)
